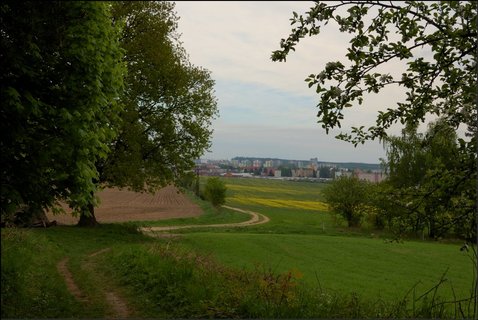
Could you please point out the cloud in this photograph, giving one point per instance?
(260, 100)
(236, 39)
(244, 102)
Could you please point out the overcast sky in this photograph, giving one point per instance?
(266, 108)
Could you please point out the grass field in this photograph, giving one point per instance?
(304, 263)
(308, 238)
(293, 207)
(371, 268)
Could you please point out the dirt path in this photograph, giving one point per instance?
(62, 267)
(119, 307)
(256, 218)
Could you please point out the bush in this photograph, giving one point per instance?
(348, 196)
(215, 191)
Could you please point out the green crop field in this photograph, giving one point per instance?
(371, 268)
(305, 237)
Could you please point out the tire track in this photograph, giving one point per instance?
(62, 268)
(119, 307)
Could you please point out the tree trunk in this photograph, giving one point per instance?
(87, 217)
(352, 219)
(431, 224)
(432, 229)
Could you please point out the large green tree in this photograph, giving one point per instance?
(60, 80)
(435, 41)
(168, 103)
(422, 171)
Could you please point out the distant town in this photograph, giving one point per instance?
(310, 170)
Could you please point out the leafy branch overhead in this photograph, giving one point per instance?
(436, 41)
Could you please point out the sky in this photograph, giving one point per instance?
(266, 108)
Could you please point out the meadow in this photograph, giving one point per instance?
(303, 263)
(303, 235)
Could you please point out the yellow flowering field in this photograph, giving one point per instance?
(262, 189)
(283, 203)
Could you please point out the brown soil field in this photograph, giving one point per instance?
(123, 205)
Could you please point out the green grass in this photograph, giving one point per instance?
(319, 245)
(304, 263)
(168, 282)
(31, 284)
(294, 207)
(371, 268)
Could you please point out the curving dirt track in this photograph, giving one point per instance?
(122, 205)
(256, 218)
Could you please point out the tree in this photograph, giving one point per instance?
(61, 77)
(421, 167)
(215, 191)
(437, 43)
(325, 172)
(347, 196)
(168, 103)
(285, 171)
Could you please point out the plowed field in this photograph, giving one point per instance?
(123, 205)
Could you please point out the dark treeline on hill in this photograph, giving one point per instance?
(345, 165)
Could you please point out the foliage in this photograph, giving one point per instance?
(285, 171)
(326, 172)
(61, 77)
(436, 44)
(169, 103)
(348, 197)
(215, 191)
(443, 84)
(426, 191)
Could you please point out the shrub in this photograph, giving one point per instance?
(348, 196)
(215, 191)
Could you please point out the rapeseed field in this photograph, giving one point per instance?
(282, 203)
